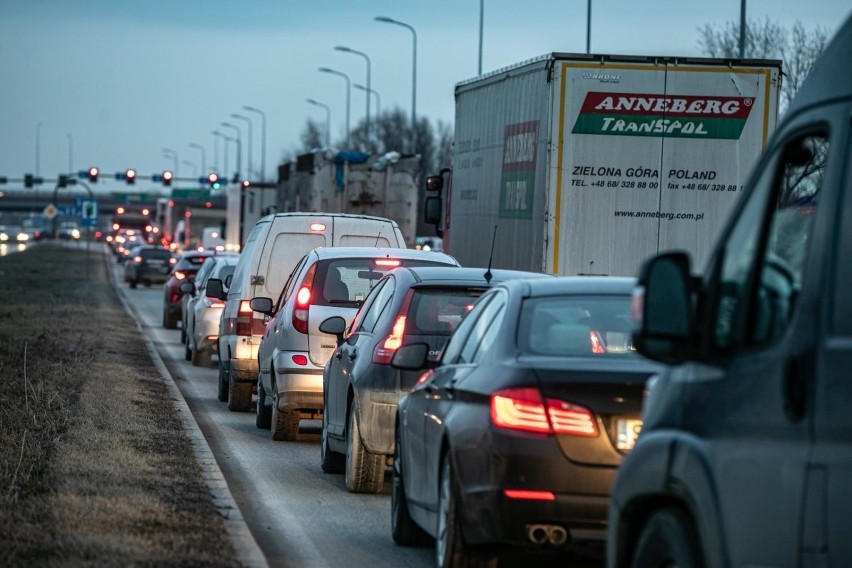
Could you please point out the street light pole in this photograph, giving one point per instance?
(348, 91)
(327, 120)
(367, 59)
(248, 121)
(589, 26)
(387, 20)
(262, 139)
(203, 156)
(369, 93)
(481, 26)
(218, 135)
(169, 153)
(742, 28)
(70, 153)
(38, 147)
(239, 146)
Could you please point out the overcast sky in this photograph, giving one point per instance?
(112, 83)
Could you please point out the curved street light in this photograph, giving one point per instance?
(371, 92)
(386, 20)
(226, 139)
(345, 49)
(348, 90)
(262, 139)
(169, 153)
(194, 167)
(203, 156)
(239, 145)
(327, 120)
(248, 121)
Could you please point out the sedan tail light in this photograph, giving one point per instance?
(303, 301)
(524, 409)
(384, 351)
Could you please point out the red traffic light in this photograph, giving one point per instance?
(168, 177)
(213, 179)
(130, 175)
(93, 174)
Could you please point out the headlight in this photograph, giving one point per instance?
(75, 233)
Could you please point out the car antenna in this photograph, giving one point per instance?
(488, 275)
(379, 236)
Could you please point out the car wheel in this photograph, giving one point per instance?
(200, 358)
(133, 284)
(263, 418)
(450, 548)
(330, 461)
(667, 539)
(169, 321)
(284, 424)
(403, 528)
(188, 354)
(239, 395)
(365, 472)
(223, 383)
(183, 332)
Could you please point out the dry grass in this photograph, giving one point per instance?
(94, 466)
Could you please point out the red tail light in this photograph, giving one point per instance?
(137, 259)
(387, 262)
(244, 317)
(524, 409)
(529, 495)
(303, 302)
(597, 344)
(384, 351)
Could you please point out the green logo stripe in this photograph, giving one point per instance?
(675, 127)
(517, 195)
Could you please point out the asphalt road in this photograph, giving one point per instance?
(299, 516)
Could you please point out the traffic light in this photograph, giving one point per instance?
(130, 176)
(167, 178)
(213, 180)
(93, 174)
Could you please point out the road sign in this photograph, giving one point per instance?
(50, 211)
(88, 211)
(191, 194)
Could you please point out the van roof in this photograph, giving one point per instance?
(389, 252)
(323, 214)
(830, 78)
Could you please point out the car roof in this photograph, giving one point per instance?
(830, 78)
(449, 275)
(592, 285)
(388, 252)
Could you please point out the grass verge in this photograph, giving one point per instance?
(95, 468)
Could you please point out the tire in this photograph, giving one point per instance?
(364, 472)
(223, 384)
(330, 461)
(169, 321)
(183, 338)
(284, 425)
(188, 353)
(403, 528)
(239, 395)
(450, 549)
(199, 358)
(133, 284)
(263, 413)
(667, 539)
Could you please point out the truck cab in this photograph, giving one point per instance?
(746, 451)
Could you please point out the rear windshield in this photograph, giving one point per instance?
(161, 254)
(438, 311)
(595, 326)
(347, 281)
(191, 262)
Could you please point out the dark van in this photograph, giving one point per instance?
(745, 458)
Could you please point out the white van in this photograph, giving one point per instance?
(270, 254)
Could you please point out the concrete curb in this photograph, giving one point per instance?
(247, 550)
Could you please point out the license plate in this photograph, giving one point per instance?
(627, 430)
(155, 263)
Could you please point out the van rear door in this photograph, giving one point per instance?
(350, 231)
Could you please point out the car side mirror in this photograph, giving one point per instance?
(187, 288)
(262, 305)
(214, 289)
(663, 309)
(411, 357)
(335, 326)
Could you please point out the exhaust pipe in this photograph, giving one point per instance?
(558, 536)
(538, 534)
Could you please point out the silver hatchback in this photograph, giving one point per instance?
(293, 351)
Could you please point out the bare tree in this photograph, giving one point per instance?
(312, 136)
(797, 48)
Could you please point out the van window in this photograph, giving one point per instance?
(769, 242)
(287, 249)
(244, 264)
(365, 241)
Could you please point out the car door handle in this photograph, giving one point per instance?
(338, 355)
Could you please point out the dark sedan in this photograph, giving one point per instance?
(361, 389)
(514, 438)
(185, 270)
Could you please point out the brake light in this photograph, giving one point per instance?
(529, 495)
(137, 259)
(211, 303)
(244, 317)
(318, 227)
(387, 262)
(524, 409)
(597, 344)
(300, 360)
(172, 260)
(384, 351)
(303, 302)
(179, 275)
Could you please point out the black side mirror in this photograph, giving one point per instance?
(663, 307)
(214, 289)
(262, 305)
(411, 357)
(187, 288)
(335, 326)
(432, 213)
